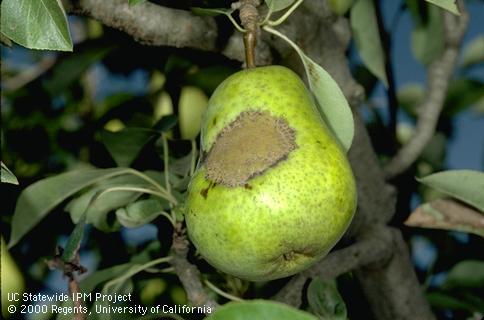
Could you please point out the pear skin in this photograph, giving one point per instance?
(274, 191)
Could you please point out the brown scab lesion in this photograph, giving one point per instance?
(247, 186)
(204, 191)
(251, 144)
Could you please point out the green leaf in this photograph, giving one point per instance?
(6, 176)
(74, 242)
(125, 145)
(68, 70)
(446, 301)
(140, 212)
(97, 213)
(278, 5)
(462, 93)
(259, 309)
(448, 5)
(100, 276)
(465, 185)
(38, 199)
(211, 12)
(367, 37)
(36, 24)
(135, 2)
(473, 53)
(166, 123)
(428, 39)
(331, 101)
(325, 301)
(466, 274)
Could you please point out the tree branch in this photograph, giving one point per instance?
(151, 24)
(70, 269)
(392, 289)
(29, 74)
(438, 78)
(155, 25)
(188, 273)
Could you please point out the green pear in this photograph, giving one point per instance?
(273, 191)
(12, 280)
(191, 106)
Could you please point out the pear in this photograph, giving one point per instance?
(273, 191)
(193, 103)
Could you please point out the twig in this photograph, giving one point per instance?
(249, 17)
(70, 269)
(438, 75)
(188, 273)
(73, 291)
(29, 74)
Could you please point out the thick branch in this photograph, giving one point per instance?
(392, 290)
(438, 78)
(189, 274)
(156, 25)
(151, 24)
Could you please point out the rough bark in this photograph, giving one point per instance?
(392, 288)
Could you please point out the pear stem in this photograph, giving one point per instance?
(249, 17)
(249, 43)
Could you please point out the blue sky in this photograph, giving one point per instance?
(466, 148)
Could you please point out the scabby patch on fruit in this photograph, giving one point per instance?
(274, 191)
